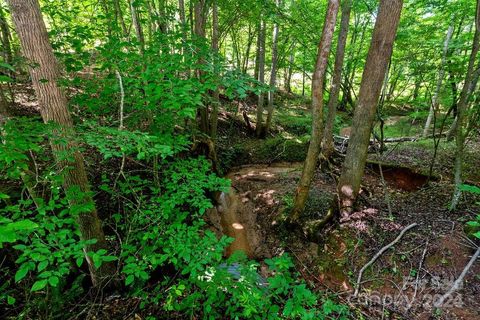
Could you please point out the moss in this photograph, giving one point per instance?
(279, 149)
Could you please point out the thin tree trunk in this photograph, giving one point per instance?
(273, 73)
(38, 51)
(119, 16)
(200, 11)
(310, 164)
(246, 59)
(257, 51)
(138, 27)
(261, 77)
(378, 57)
(327, 145)
(5, 36)
(236, 49)
(216, 94)
(462, 110)
(289, 71)
(183, 20)
(441, 74)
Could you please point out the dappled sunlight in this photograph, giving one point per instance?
(267, 197)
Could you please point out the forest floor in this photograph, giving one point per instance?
(406, 280)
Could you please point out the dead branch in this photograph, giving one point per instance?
(379, 253)
(459, 281)
(418, 274)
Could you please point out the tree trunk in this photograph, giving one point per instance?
(119, 17)
(200, 11)
(378, 57)
(5, 36)
(327, 145)
(183, 20)
(289, 71)
(441, 74)
(138, 27)
(261, 76)
(273, 73)
(257, 49)
(246, 59)
(310, 164)
(216, 94)
(462, 108)
(37, 49)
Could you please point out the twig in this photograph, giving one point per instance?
(379, 253)
(120, 127)
(122, 98)
(418, 275)
(458, 282)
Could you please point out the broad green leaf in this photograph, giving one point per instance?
(42, 265)
(129, 279)
(53, 281)
(7, 66)
(21, 273)
(79, 261)
(39, 285)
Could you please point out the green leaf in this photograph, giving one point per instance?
(129, 279)
(7, 66)
(79, 261)
(101, 252)
(97, 261)
(21, 273)
(109, 258)
(23, 225)
(42, 265)
(53, 281)
(5, 79)
(39, 285)
(469, 188)
(11, 300)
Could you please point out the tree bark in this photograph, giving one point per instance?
(216, 94)
(291, 61)
(45, 73)
(327, 145)
(462, 110)
(5, 36)
(200, 13)
(138, 27)
(310, 164)
(441, 74)
(246, 59)
(273, 73)
(261, 76)
(119, 16)
(378, 57)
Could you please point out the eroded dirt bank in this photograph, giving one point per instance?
(403, 283)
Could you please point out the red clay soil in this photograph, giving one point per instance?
(332, 264)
